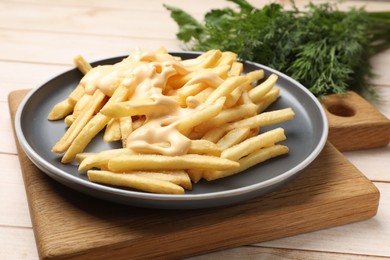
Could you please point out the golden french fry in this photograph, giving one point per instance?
(252, 144)
(141, 183)
(195, 175)
(86, 114)
(195, 62)
(233, 137)
(204, 147)
(233, 97)
(92, 128)
(201, 96)
(236, 69)
(100, 159)
(227, 58)
(60, 110)
(226, 88)
(264, 119)
(82, 156)
(82, 64)
(189, 90)
(228, 115)
(187, 123)
(125, 163)
(180, 178)
(261, 90)
(81, 103)
(113, 131)
(76, 94)
(209, 59)
(268, 99)
(213, 135)
(69, 120)
(126, 128)
(252, 159)
(254, 76)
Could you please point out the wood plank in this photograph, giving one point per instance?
(57, 48)
(374, 163)
(201, 6)
(21, 246)
(67, 224)
(13, 201)
(88, 20)
(7, 144)
(34, 75)
(370, 237)
(280, 254)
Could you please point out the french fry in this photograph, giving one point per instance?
(252, 159)
(233, 137)
(60, 110)
(195, 175)
(259, 92)
(268, 99)
(126, 127)
(226, 88)
(82, 156)
(228, 58)
(82, 64)
(135, 181)
(125, 163)
(236, 69)
(100, 159)
(85, 115)
(186, 124)
(113, 131)
(228, 115)
(180, 178)
(204, 147)
(264, 119)
(201, 96)
(189, 90)
(80, 104)
(254, 76)
(213, 135)
(76, 94)
(69, 119)
(92, 128)
(244, 148)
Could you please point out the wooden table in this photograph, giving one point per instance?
(39, 38)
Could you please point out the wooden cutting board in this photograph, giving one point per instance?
(68, 224)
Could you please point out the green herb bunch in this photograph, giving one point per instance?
(325, 49)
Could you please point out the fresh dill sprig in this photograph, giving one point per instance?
(325, 49)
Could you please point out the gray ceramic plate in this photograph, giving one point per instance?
(306, 137)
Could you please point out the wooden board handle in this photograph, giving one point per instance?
(354, 123)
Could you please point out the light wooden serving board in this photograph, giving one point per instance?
(68, 224)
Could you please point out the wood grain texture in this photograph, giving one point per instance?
(68, 224)
(354, 123)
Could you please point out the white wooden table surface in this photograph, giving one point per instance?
(38, 40)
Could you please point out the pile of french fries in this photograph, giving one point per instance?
(178, 121)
